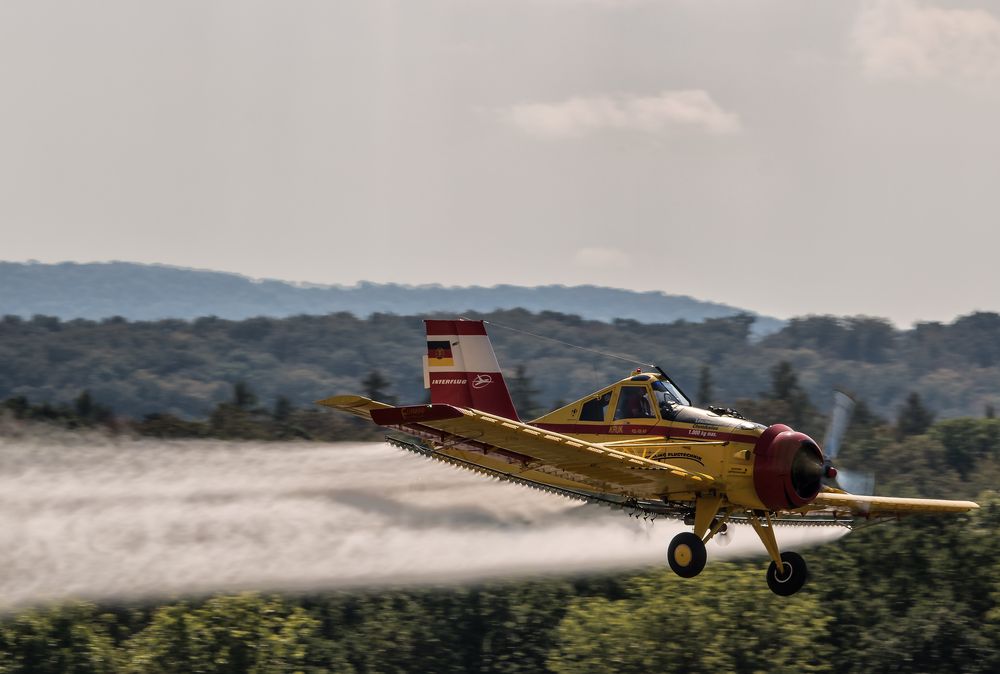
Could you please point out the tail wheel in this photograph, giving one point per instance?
(686, 555)
(789, 580)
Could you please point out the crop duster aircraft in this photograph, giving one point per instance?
(637, 444)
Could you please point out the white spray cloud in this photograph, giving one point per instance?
(666, 112)
(102, 518)
(909, 40)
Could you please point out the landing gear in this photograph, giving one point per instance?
(686, 555)
(791, 578)
(787, 573)
(686, 552)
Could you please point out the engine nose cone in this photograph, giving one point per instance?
(788, 468)
(807, 470)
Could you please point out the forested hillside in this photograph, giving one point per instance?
(920, 595)
(187, 367)
(149, 292)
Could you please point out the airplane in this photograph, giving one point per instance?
(637, 444)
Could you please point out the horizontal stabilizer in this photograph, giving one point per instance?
(359, 406)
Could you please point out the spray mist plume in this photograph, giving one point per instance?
(90, 516)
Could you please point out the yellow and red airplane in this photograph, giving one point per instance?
(637, 444)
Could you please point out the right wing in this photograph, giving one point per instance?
(883, 506)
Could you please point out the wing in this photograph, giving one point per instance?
(532, 449)
(888, 506)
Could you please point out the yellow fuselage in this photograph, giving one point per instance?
(633, 418)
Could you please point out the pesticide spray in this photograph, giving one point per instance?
(97, 517)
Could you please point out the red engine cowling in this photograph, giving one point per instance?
(787, 468)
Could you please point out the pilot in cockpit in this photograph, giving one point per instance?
(633, 403)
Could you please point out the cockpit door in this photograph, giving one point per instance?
(635, 411)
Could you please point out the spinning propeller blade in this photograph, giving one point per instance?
(862, 484)
(854, 483)
(843, 407)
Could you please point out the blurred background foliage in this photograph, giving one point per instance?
(185, 368)
(920, 595)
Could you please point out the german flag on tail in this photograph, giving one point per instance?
(439, 354)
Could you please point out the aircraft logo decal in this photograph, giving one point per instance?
(482, 381)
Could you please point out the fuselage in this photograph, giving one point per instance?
(645, 415)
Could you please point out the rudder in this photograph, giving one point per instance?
(461, 369)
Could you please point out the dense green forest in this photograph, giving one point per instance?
(920, 595)
(912, 596)
(186, 368)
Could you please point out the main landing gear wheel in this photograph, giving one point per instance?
(686, 555)
(793, 576)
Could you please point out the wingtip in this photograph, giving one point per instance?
(343, 401)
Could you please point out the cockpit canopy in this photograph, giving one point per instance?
(668, 395)
(644, 395)
(634, 400)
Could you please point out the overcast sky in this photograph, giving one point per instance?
(788, 157)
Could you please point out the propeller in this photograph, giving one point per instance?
(849, 481)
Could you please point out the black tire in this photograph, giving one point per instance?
(686, 555)
(791, 581)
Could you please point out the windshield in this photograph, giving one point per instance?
(668, 395)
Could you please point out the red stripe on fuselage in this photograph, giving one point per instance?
(651, 430)
(587, 429)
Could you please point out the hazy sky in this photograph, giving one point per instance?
(789, 157)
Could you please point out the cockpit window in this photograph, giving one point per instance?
(633, 403)
(668, 395)
(596, 409)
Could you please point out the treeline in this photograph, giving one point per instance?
(911, 453)
(243, 418)
(186, 368)
(239, 418)
(914, 596)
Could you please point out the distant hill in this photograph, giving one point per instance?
(151, 292)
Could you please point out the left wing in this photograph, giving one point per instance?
(887, 506)
(558, 455)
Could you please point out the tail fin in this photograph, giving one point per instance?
(461, 369)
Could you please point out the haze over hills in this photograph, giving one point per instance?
(150, 292)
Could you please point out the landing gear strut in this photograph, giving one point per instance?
(788, 572)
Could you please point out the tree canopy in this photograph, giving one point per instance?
(185, 368)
